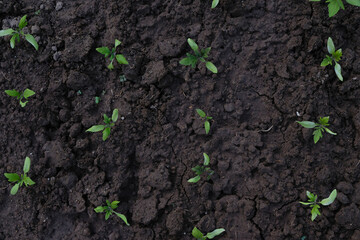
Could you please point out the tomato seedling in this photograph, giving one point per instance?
(109, 210)
(108, 124)
(335, 56)
(112, 55)
(203, 115)
(19, 32)
(21, 95)
(199, 170)
(214, 3)
(335, 5)
(20, 180)
(315, 205)
(200, 236)
(200, 55)
(319, 127)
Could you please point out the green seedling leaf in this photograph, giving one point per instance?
(106, 133)
(338, 71)
(207, 127)
(121, 59)
(117, 43)
(32, 41)
(104, 50)
(307, 124)
(330, 199)
(12, 93)
(187, 61)
(193, 45)
(110, 66)
(23, 104)
(354, 2)
(197, 234)
(194, 179)
(337, 55)
(27, 165)
(317, 135)
(28, 181)
(201, 113)
(115, 115)
(315, 212)
(14, 189)
(107, 215)
(214, 3)
(206, 159)
(96, 128)
(326, 61)
(305, 203)
(330, 46)
(114, 204)
(12, 41)
(99, 209)
(22, 22)
(122, 217)
(329, 131)
(12, 177)
(6, 32)
(211, 67)
(333, 7)
(215, 233)
(97, 100)
(28, 93)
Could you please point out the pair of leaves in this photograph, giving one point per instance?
(315, 207)
(199, 235)
(207, 118)
(200, 55)
(109, 210)
(335, 5)
(20, 95)
(199, 170)
(112, 55)
(16, 34)
(23, 179)
(108, 124)
(335, 56)
(214, 3)
(319, 127)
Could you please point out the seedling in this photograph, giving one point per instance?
(335, 5)
(15, 34)
(97, 100)
(112, 55)
(203, 115)
(199, 170)
(199, 235)
(109, 210)
(214, 3)
(200, 55)
(21, 95)
(319, 127)
(315, 205)
(108, 124)
(335, 56)
(20, 180)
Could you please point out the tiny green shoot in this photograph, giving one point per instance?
(109, 122)
(319, 127)
(199, 170)
(112, 55)
(20, 180)
(200, 236)
(109, 210)
(200, 55)
(203, 115)
(335, 56)
(214, 3)
(315, 205)
(15, 34)
(21, 95)
(97, 100)
(335, 5)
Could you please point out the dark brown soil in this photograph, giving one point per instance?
(268, 55)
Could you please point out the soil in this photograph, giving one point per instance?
(268, 54)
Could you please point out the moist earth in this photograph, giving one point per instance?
(268, 55)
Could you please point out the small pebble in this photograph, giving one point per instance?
(54, 48)
(56, 56)
(59, 6)
(35, 29)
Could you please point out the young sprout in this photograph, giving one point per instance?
(203, 115)
(108, 124)
(335, 5)
(19, 32)
(319, 127)
(199, 170)
(214, 3)
(109, 210)
(20, 95)
(200, 236)
(315, 205)
(200, 55)
(97, 100)
(112, 55)
(335, 56)
(20, 180)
